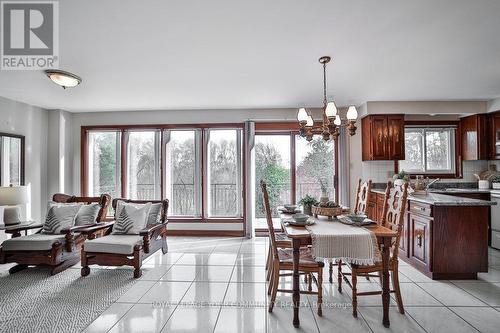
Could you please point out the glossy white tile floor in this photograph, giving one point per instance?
(218, 285)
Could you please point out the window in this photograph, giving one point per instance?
(183, 171)
(198, 168)
(143, 165)
(429, 151)
(315, 169)
(10, 159)
(224, 172)
(104, 163)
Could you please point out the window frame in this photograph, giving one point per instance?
(455, 141)
(122, 129)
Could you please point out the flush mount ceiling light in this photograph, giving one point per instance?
(63, 78)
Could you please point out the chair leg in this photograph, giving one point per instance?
(270, 272)
(85, 268)
(137, 262)
(397, 290)
(276, 278)
(268, 261)
(331, 272)
(354, 281)
(310, 281)
(320, 291)
(339, 276)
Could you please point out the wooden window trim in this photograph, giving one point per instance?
(458, 149)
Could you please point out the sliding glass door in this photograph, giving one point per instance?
(314, 168)
(273, 165)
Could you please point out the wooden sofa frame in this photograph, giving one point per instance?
(154, 238)
(61, 255)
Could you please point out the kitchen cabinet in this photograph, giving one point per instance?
(476, 137)
(495, 135)
(444, 242)
(383, 137)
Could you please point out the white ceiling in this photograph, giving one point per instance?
(188, 54)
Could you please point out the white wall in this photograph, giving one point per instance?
(32, 122)
(494, 105)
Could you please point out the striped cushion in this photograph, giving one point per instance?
(130, 218)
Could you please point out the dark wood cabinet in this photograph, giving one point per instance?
(383, 137)
(420, 240)
(494, 120)
(476, 137)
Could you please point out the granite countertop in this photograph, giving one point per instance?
(438, 199)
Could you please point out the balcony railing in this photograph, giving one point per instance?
(223, 197)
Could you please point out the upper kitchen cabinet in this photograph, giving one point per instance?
(475, 137)
(383, 137)
(495, 135)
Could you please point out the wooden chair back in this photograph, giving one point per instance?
(362, 193)
(269, 219)
(104, 200)
(163, 211)
(394, 213)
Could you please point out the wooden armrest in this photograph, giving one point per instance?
(76, 228)
(22, 228)
(96, 227)
(150, 230)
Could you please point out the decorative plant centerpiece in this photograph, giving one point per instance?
(307, 202)
(400, 178)
(495, 182)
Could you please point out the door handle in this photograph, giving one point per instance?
(419, 240)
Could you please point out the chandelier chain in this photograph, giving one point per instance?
(324, 85)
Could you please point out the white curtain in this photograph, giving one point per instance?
(343, 170)
(249, 141)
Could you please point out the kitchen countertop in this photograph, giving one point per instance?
(439, 199)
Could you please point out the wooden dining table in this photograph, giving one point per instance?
(301, 237)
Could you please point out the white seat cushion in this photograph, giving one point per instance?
(120, 244)
(32, 242)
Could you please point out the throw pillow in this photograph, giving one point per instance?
(86, 215)
(130, 218)
(154, 213)
(60, 217)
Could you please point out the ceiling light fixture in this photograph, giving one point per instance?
(331, 118)
(63, 78)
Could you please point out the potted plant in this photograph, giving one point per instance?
(495, 182)
(307, 202)
(400, 178)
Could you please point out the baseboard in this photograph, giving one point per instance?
(208, 233)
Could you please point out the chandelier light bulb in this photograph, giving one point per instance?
(337, 120)
(331, 110)
(310, 121)
(352, 113)
(302, 115)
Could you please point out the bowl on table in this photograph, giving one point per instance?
(300, 218)
(357, 218)
(290, 208)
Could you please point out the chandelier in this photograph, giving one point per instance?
(330, 128)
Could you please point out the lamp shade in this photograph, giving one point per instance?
(352, 113)
(337, 120)
(302, 115)
(330, 110)
(14, 195)
(310, 121)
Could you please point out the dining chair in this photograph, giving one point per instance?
(393, 218)
(282, 260)
(362, 194)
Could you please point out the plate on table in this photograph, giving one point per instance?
(294, 223)
(346, 219)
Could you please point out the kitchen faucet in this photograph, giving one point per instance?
(428, 186)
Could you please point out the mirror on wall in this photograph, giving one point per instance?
(11, 159)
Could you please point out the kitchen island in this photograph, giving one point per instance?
(444, 236)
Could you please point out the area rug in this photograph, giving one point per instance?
(34, 301)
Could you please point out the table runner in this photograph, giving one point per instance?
(334, 240)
